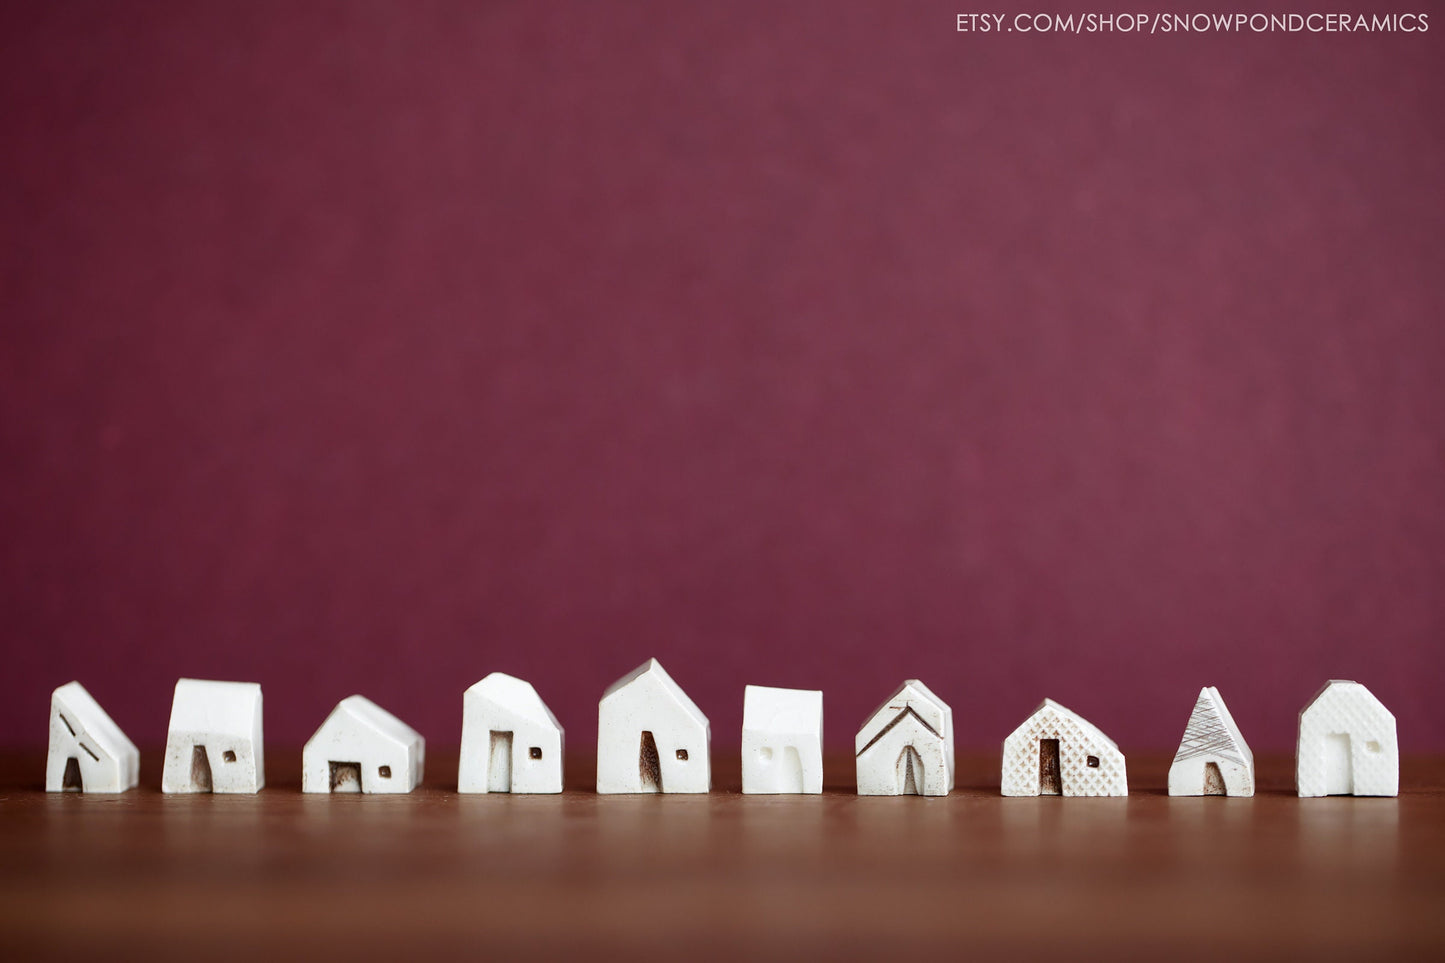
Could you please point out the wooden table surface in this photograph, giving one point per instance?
(143, 875)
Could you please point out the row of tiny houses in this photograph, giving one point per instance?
(651, 738)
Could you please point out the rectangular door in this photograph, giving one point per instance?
(499, 766)
(1050, 783)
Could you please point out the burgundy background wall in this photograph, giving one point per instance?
(373, 347)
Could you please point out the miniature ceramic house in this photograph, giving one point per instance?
(906, 746)
(1347, 744)
(1058, 752)
(1213, 758)
(214, 743)
(511, 742)
(362, 748)
(782, 740)
(650, 736)
(88, 752)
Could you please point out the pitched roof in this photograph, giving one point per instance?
(1212, 731)
(651, 672)
(367, 714)
(516, 696)
(1049, 706)
(912, 695)
(84, 716)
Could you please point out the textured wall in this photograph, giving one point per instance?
(372, 347)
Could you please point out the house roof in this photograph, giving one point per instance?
(782, 710)
(220, 707)
(89, 721)
(516, 696)
(913, 695)
(1050, 707)
(1344, 689)
(362, 712)
(652, 673)
(1212, 731)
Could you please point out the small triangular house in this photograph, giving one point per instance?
(214, 742)
(906, 745)
(1213, 758)
(1059, 752)
(1347, 744)
(782, 740)
(511, 741)
(363, 748)
(88, 752)
(650, 736)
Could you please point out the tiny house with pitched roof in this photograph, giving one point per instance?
(511, 741)
(651, 737)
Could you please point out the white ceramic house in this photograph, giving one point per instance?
(650, 736)
(363, 748)
(511, 741)
(906, 746)
(1347, 744)
(88, 752)
(214, 743)
(1059, 752)
(782, 740)
(1213, 758)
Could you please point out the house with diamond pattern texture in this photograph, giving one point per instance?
(1347, 744)
(1057, 752)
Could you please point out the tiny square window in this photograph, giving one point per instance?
(1093, 762)
(1373, 746)
(536, 752)
(766, 754)
(682, 755)
(384, 772)
(229, 755)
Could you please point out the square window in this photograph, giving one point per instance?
(1373, 746)
(682, 755)
(766, 754)
(536, 752)
(229, 755)
(384, 772)
(1093, 762)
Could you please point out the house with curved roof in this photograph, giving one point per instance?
(214, 741)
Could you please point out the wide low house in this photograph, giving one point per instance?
(1057, 752)
(363, 748)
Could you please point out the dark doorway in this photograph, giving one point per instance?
(649, 766)
(910, 772)
(1050, 783)
(1213, 780)
(200, 770)
(499, 764)
(71, 781)
(346, 777)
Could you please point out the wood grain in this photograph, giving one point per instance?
(831, 876)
